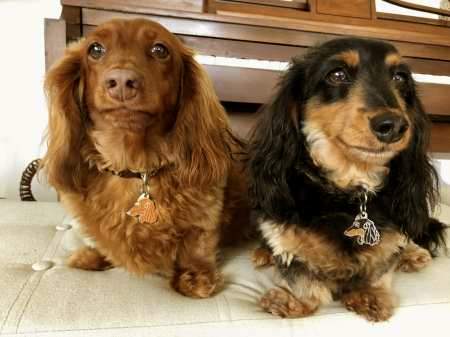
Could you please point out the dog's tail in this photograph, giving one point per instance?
(434, 239)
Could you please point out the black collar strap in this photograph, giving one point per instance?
(125, 174)
(138, 175)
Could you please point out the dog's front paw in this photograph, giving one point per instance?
(282, 303)
(197, 283)
(88, 259)
(262, 257)
(414, 258)
(375, 305)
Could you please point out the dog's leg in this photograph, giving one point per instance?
(196, 273)
(262, 257)
(283, 303)
(413, 258)
(88, 258)
(375, 302)
(300, 296)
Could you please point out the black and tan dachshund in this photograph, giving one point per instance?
(340, 177)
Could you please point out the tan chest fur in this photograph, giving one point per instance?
(324, 257)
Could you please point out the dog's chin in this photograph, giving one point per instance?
(131, 120)
(130, 126)
(374, 155)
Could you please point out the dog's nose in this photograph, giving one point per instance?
(122, 84)
(388, 128)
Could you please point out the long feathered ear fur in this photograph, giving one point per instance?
(413, 185)
(203, 139)
(64, 89)
(275, 146)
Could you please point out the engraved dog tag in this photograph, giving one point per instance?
(364, 230)
(144, 210)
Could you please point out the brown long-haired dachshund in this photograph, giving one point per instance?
(342, 181)
(141, 153)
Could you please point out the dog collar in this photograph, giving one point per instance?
(138, 174)
(125, 173)
(144, 209)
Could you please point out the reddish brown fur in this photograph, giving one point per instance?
(282, 303)
(414, 258)
(262, 257)
(89, 259)
(374, 303)
(181, 130)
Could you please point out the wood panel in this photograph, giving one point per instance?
(432, 67)
(379, 28)
(435, 98)
(296, 4)
(214, 29)
(195, 6)
(209, 6)
(354, 8)
(440, 138)
(243, 84)
(242, 123)
(421, 50)
(234, 48)
(193, 27)
(233, 83)
(383, 29)
(261, 51)
(55, 40)
(409, 18)
(420, 8)
(245, 8)
(241, 49)
(72, 16)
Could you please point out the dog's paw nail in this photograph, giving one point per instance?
(195, 284)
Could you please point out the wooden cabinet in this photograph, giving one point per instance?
(355, 8)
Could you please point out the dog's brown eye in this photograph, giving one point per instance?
(399, 77)
(96, 50)
(338, 76)
(160, 51)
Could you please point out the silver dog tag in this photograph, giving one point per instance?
(364, 230)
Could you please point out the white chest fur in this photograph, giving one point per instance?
(273, 232)
(345, 173)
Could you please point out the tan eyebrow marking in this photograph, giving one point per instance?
(393, 59)
(350, 57)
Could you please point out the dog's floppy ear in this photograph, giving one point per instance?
(275, 147)
(413, 182)
(64, 89)
(202, 135)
